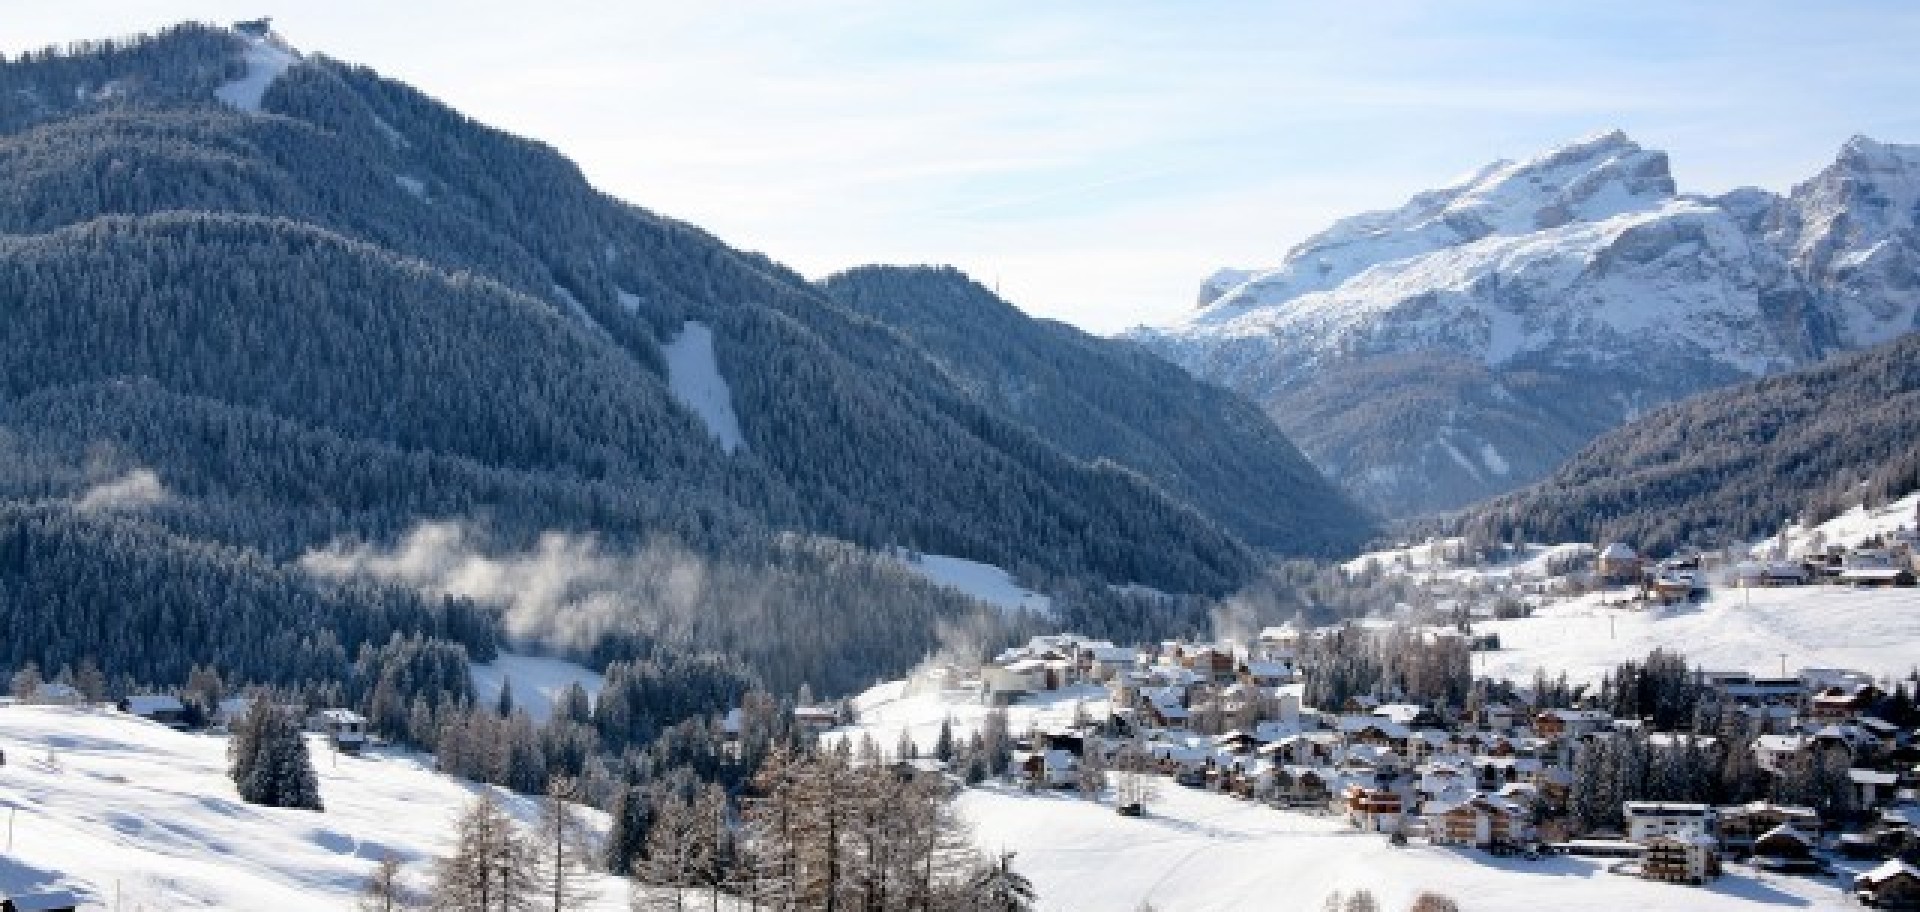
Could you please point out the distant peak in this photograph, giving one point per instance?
(1864, 153)
(1610, 142)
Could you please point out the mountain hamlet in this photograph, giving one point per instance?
(390, 519)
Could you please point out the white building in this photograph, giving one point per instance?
(1647, 820)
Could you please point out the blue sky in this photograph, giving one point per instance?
(1097, 160)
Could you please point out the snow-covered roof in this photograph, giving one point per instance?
(1872, 777)
(148, 704)
(1618, 551)
(341, 717)
(1894, 867)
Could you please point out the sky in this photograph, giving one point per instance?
(1095, 161)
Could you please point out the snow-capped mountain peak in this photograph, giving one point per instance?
(1540, 301)
(1592, 178)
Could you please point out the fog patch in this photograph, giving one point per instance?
(138, 489)
(567, 592)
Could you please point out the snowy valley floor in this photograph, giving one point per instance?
(1204, 852)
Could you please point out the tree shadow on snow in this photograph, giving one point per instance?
(17, 877)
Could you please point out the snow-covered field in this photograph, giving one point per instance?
(1872, 630)
(985, 582)
(1734, 629)
(536, 681)
(1198, 851)
(135, 811)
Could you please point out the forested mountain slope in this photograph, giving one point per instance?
(1733, 464)
(1109, 399)
(324, 322)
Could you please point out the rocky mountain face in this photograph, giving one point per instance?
(1469, 341)
(1107, 399)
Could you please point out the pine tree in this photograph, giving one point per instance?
(503, 705)
(996, 741)
(663, 878)
(997, 887)
(563, 847)
(630, 817)
(269, 762)
(385, 890)
(943, 743)
(1091, 777)
(491, 868)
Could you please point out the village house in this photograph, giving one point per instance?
(1742, 824)
(1688, 859)
(1571, 723)
(1786, 849)
(1771, 574)
(161, 708)
(1841, 703)
(1874, 567)
(1894, 885)
(345, 729)
(1647, 820)
(1873, 789)
(816, 719)
(1620, 565)
(1004, 684)
(1482, 822)
(1375, 810)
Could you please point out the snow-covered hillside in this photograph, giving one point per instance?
(1201, 851)
(1470, 340)
(125, 811)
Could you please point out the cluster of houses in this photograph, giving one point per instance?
(1890, 559)
(344, 729)
(1231, 717)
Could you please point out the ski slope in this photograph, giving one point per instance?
(984, 582)
(137, 811)
(1198, 851)
(694, 379)
(266, 58)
